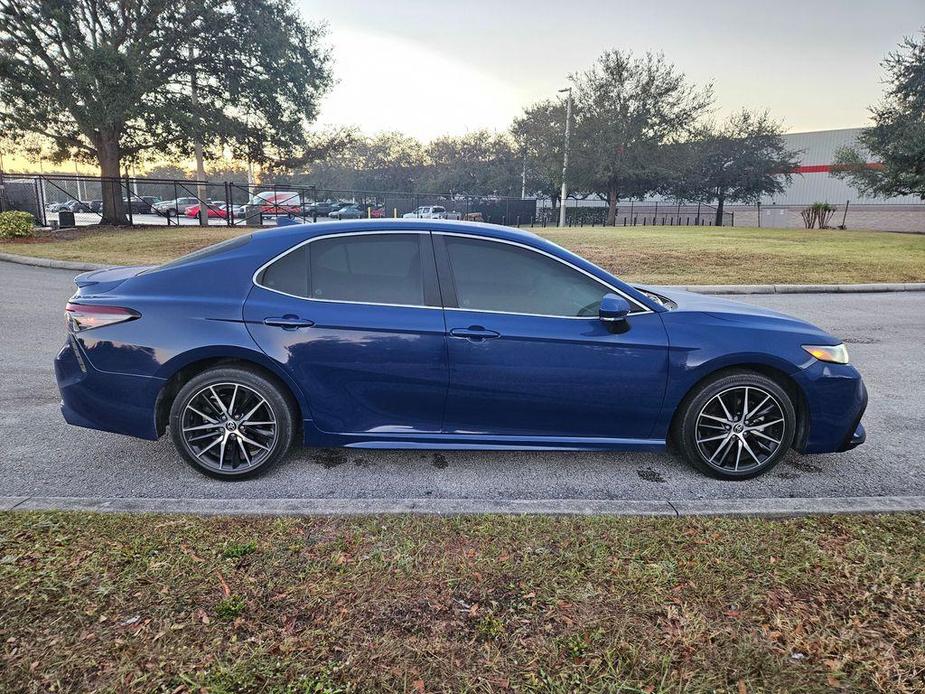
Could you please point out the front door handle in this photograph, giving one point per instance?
(475, 333)
(288, 322)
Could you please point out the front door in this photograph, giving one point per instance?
(528, 355)
(356, 320)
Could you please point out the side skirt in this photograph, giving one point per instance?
(313, 437)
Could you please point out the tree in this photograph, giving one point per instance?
(106, 80)
(897, 138)
(540, 134)
(390, 161)
(629, 109)
(480, 163)
(738, 160)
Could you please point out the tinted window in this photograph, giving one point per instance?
(289, 274)
(374, 268)
(206, 252)
(492, 276)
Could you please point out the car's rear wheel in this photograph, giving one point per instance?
(231, 422)
(737, 426)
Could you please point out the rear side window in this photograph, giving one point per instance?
(364, 268)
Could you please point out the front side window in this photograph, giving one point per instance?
(493, 276)
(373, 268)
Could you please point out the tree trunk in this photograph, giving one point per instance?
(720, 199)
(108, 153)
(612, 207)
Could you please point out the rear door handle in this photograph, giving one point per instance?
(288, 322)
(475, 333)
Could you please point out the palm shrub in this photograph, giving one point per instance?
(818, 213)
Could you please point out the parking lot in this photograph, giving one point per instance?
(43, 456)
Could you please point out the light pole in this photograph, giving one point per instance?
(568, 127)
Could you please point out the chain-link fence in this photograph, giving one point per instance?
(60, 200)
(633, 213)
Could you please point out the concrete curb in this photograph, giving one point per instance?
(48, 262)
(699, 288)
(802, 288)
(581, 507)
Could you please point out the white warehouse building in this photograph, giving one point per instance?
(813, 181)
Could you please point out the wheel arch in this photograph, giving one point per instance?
(182, 368)
(772, 371)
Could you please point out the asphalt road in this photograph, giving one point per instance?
(43, 456)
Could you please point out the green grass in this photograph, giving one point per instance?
(478, 603)
(743, 255)
(661, 255)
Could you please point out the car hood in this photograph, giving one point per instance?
(739, 312)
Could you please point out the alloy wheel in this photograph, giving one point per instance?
(740, 429)
(229, 427)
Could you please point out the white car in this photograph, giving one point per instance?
(431, 212)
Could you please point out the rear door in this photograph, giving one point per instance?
(528, 354)
(356, 319)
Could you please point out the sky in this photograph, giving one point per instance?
(450, 67)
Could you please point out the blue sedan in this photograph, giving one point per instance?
(439, 334)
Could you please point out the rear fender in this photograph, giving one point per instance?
(232, 352)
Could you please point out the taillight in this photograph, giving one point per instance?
(87, 316)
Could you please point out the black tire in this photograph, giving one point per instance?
(270, 426)
(723, 398)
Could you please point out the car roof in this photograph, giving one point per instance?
(298, 231)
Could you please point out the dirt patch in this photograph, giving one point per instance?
(650, 475)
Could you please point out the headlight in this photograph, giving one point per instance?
(837, 354)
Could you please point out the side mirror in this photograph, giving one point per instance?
(613, 308)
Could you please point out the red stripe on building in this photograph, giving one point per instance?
(827, 168)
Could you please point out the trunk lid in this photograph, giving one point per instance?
(102, 281)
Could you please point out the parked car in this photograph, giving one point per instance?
(74, 206)
(358, 211)
(174, 207)
(216, 208)
(276, 202)
(401, 334)
(318, 209)
(141, 205)
(431, 212)
(352, 211)
(96, 206)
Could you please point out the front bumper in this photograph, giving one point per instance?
(836, 399)
(118, 403)
(857, 438)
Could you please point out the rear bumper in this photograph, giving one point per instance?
(118, 403)
(836, 399)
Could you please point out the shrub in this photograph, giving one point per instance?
(818, 213)
(14, 224)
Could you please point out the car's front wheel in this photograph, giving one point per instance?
(736, 426)
(231, 422)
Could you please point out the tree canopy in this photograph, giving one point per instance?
(106, 80)
(897, 138)
(738, 160)
(629, 109)
(539, 134)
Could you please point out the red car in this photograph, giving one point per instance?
(277, 202)
(215, 209)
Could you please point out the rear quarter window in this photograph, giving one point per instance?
(207, 252)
